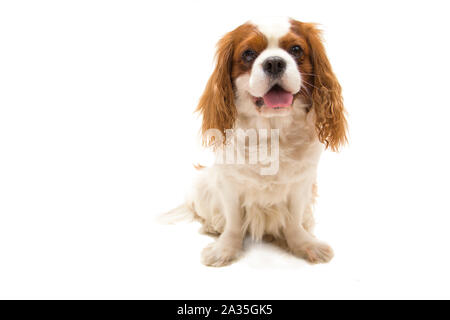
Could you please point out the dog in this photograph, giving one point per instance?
(271, 75)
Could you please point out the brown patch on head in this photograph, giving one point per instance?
(217, 102)
(322, 85)
(247, 39)
(305, 67)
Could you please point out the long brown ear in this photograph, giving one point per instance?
(217, 102)
(326, 95)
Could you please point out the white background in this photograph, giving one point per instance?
(98, 137)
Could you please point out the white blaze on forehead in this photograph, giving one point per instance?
(272, 28)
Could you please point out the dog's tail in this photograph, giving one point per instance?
(181, 213)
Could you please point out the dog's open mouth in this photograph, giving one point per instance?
(275, 98)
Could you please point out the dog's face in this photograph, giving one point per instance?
(266, 69)
(270, 68)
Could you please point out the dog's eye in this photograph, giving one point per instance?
(249, 55)
(296, 51)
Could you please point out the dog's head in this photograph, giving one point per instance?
(268, 68)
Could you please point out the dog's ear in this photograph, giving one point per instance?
(326, 95)
(217, 102)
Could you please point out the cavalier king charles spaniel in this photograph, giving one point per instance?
(270, 107)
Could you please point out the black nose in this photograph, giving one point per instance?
(274, 66)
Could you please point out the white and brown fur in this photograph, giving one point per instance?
(234, 200)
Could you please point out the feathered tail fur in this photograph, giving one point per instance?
(181, 213)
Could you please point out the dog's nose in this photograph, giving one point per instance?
(274, 66)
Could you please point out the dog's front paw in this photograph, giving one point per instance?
(314, 251)
(218, 254)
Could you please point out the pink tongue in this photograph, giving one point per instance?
(277, 97)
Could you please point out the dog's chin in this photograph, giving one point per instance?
(268, 112)
(277, 102)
